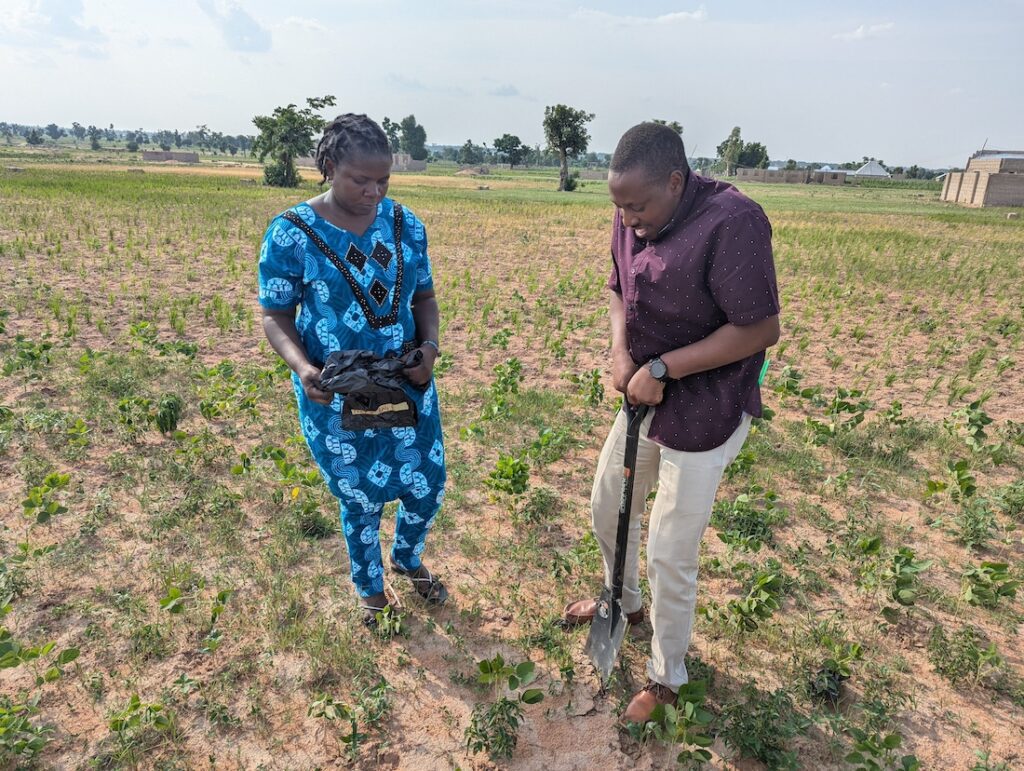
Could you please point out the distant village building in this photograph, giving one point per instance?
(404, 162)
(792, 176)
(871, 170)
(992, 178)
(164, 155)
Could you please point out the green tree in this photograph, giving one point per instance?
(34, 136)
(510, 146)
(672, 124)
(565, 129)
(78, 131)
(791, 165)
(414, 138)
(55, 132)
(470, 154)
(286, 135)
(392, 129)
(754, 156)
(94, 137)
(730, 149)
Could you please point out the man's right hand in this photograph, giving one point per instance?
(623, 369)
(310, 378)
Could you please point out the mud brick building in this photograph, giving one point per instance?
(992, 178)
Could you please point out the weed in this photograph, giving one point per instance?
(760, 725)
(872, 752)
(685, 722)
(963, 657)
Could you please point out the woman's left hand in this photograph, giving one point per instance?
(420, 374)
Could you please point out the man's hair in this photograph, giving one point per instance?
(653, 147)
(348, 136)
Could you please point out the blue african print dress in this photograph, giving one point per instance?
(361, 301)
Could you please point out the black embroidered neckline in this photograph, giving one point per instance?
(380, 254)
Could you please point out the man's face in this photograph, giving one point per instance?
(646, 205)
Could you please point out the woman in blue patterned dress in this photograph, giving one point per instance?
(331, 277)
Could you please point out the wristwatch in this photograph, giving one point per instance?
(658, 369)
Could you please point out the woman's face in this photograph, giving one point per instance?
(359, 183)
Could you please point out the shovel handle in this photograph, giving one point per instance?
(635, 417)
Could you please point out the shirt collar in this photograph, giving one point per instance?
(683, 208)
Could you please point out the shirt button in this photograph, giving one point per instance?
(633, 271)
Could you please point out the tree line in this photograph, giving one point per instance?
(200, 138)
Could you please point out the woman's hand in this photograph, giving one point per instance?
(644, 389)
(310, 378)
(420, 374)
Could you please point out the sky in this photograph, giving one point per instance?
(905, 82)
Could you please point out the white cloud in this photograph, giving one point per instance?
(47, 24)
(679, 17)
(240, 30)
(865, 31)
(309, 25)
(506, 90)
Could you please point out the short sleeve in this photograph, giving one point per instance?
(741, 276)
(613, 279)
(282, 262)
(418, 238)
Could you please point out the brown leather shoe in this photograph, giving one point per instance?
(582, 612)
(643, 704)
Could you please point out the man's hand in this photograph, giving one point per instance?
(623, 370)
(644, 389)
(420, 374)
(310, 378)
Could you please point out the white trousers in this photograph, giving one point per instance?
(687, 484)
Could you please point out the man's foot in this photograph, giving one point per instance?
(643, 704)
(582, 612)
(425, 583)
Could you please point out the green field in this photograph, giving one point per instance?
(177, 543)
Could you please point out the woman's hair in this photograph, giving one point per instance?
(347, 136)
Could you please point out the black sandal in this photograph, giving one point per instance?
(427, 586)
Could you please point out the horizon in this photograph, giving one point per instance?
(800, 79)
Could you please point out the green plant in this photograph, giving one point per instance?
(975, 523)
(390, 623)
(326, 708)
(963, 657)
(42, 503)
(743, 523)
(139, 726)
(827, 680)
(494, 726)
(685, 722)
(511, 475)
(987, 584)
(20, 739)
(872, 752)
(901, 578)
(759, 725)
(590, 387)
(759, 604)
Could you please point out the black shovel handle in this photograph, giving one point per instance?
(635, 416)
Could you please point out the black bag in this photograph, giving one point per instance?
(372, 387)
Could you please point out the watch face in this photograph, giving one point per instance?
(658, 369)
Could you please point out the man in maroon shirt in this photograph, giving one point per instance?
(694, 305)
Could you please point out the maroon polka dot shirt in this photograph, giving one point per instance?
(712, 265)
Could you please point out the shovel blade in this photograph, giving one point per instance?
(606, 633)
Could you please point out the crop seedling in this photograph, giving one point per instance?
(685, 722)
(987, 584)
(42, 503)
(872, 752)
(390, 623)
(139, 727)
(827, 681)
(902, 580)
(511, 475)
(494, 726)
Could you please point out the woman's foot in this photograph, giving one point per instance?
(425, 583)
(371, 606)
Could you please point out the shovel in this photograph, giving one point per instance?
(609, 624)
